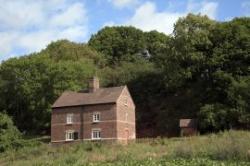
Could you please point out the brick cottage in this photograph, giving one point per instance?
(99, 114)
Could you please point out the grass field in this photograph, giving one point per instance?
(222, 149)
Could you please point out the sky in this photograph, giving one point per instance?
(27, 26)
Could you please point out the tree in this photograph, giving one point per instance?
(213, 117)
(62, 50)
(128, 43)
(157, 45)
(118, 43)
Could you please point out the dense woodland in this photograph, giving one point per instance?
(201, 70)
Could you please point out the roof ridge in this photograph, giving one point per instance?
(112, 87)
(103, 95)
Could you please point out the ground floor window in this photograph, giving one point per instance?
(96, 134)
(71, 135)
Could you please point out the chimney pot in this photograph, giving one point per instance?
(94, 84)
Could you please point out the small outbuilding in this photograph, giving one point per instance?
(188, 127)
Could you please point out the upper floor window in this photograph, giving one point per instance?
(96, 117)
(69, 119)
(96, 134)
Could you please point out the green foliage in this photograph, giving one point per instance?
(192, 43)
(118, 43)
(10, 137)
(214, 117)
(125, 72)
(127, 43)
(62, 50)
(211, 60)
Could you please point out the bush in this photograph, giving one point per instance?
(10, 137)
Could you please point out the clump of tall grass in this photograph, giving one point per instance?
(230, 145)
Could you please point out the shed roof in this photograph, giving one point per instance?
(100, 96)
(188, 123)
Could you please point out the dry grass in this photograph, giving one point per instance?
(232, 145)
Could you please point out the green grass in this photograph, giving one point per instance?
(222, 149)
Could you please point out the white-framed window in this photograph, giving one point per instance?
(69, 136)
(69, 119)
(96, 117)
(96, 134)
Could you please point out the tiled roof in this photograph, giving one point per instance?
(188, 123)
(100, 96)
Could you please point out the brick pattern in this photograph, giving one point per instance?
(83, 121)
(58, 122)
(93, 84)
(126, 116)
(117, 121)
(106, 124)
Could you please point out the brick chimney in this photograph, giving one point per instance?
(93, 84)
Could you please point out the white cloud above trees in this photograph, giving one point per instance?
(147, 17)
(123, 3)
(29, 25)
(203, 7)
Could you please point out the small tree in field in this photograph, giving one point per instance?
(10, 137)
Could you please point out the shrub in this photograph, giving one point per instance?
(10, 137)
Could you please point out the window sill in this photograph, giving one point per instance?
(96, 121)
(69, 140)
(69, 123)
(94, 139)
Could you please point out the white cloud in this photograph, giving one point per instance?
(18, 14)
(147, 17)
(6, 42)
(70, 16)
(203, 7)
(123, 3)
(30, 25)
(76, 33)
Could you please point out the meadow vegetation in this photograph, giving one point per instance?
(225, 148)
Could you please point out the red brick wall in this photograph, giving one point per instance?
(83, 121)
(125, 116)
(58, 122)
(107, 123)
